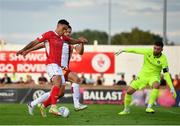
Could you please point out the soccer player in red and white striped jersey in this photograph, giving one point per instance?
(68, 74)
(54, 53)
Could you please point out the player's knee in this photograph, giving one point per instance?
(78, 80)
(130, 91)
(56, 80)
(61, 94)
(156, 85)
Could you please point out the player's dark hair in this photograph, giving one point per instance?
(63, 21)
(69, 27)
(159, 43)
(122, 75)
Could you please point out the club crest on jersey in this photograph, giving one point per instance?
(40, 37)
(158, 62)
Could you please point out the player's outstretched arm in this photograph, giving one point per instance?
(38, 46)
(80, 48)
(30, 45)
(142, 51)
(167, 77)
(118, 52)
(170, 84)
(77, 41)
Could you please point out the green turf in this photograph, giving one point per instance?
(16, 114)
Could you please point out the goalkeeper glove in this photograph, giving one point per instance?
(173, 92)
(118, 52)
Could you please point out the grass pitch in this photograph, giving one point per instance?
(16, 114)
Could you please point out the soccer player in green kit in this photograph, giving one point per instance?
(154, 63)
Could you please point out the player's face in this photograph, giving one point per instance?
(62, 28)
(68, 32)
(157, 50)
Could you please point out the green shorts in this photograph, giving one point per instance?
(142, 82)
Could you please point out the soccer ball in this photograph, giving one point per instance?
(64, 111)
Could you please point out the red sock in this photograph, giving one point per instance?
(54, 94)
(47, 102)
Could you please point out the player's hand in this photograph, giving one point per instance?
(118, 52)
(83, 40)
(19, 52)
(24, 53)
(173, 92)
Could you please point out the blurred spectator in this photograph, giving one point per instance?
(176, 82)
(90, 80)
(99, 80)
(21, 81)
(83, 79)
(114, 82)
(122, 81)
(42, 79)
(162, 81)
(29, 80)
(14, 78)
(133, 78)
(6, 79)
(102, 78)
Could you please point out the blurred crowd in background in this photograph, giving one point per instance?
(85, 80)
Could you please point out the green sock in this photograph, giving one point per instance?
(153, 97)
(127, 101)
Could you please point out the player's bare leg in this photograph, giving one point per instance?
(52, 99)
(153, 97)
(127, 101)
(57, 90)
(76, 91)
(43, 107)
(31, 105)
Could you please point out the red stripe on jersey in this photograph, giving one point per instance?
(55, 46)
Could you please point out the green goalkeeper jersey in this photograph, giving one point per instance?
(152, 65)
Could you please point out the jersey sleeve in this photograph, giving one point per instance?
(45, 36)
(66, 38)
(167, 76)
(137, 50)
(165, 65)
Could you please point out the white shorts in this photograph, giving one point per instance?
(53, 69)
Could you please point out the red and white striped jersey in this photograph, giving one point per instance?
(54, 47)
(66, 54)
